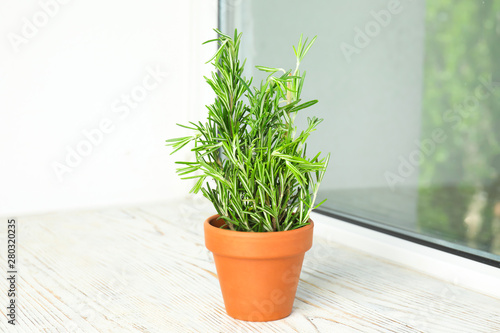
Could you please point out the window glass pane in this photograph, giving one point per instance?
(410, 96)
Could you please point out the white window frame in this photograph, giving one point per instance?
(448, 267)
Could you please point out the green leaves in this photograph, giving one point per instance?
(269, 69)
(303, 48)
(179, 143)
(304, 105)
(261, 177)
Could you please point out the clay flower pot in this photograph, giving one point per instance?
(258, 271)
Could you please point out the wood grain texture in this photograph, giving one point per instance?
(146, 269)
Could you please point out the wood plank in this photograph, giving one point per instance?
(146, 269)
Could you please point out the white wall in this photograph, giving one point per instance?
(67, 67)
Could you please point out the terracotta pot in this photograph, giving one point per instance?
(258, 271)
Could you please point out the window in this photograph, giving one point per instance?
(410, 96)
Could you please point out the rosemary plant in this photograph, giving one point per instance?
(262, 179)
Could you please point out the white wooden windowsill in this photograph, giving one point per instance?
(146, 269)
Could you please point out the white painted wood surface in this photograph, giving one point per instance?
(146, 269)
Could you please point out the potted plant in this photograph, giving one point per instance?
(251, 163)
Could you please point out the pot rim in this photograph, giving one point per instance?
(257, 244)
(215, 217)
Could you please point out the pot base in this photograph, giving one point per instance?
(258, 290)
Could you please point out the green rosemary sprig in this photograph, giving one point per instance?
(262, 177)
